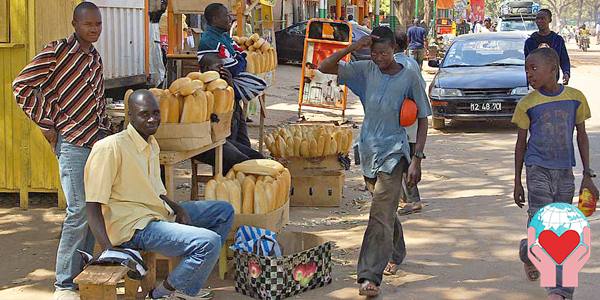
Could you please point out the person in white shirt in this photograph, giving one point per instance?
(351, 20)
(598, 33)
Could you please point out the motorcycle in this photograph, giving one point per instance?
(584, 42)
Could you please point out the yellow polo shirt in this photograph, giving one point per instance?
(123, 174)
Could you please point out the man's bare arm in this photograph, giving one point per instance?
(97, 225)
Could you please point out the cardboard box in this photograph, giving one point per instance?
(222, 129)
(325, 189)
(304, 265)
(274, 221)
(303, 166)
(183, 137)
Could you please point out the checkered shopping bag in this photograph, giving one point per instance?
(271, 277)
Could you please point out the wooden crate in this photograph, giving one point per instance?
(325, 189)
(183, 137)
(222, 129)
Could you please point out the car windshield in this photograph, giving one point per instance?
(488, 52)
(518, 25)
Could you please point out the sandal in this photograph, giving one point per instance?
(531, 272)
(368, 289)
(410, 208)
(390, 269)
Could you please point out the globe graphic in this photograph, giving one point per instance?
(558, 218)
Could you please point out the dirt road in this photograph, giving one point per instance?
(462, 246)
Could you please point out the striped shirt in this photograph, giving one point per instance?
(63, 88)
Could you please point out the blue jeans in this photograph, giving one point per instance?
(75, 231)
(198, 245)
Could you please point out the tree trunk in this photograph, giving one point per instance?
(427, 5)
(405, 12)
(580, 13)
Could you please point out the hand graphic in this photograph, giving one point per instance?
(575, 261)
(541, 260)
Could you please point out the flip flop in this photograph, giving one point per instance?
(368, 289)
(531, 272)
(410, 208)
(390, 269)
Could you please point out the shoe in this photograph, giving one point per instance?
(66, 295)
(204, 294)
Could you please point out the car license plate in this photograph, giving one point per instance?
(486, 106)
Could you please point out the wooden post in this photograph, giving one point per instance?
(223, 262)
(131, 288)
(240, 18)
(147, 38)
(172, 39)
(219, 160)
(149, 280)
(170, 181)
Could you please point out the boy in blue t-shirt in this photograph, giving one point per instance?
(549, 114)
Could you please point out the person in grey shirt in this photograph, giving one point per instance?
(382, 86)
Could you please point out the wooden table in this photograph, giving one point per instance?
(170, 158)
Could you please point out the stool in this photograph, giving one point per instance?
(197, 178)
(99, 282)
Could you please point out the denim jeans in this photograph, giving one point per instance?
(545, 186)
(198, 244)
(75, 231)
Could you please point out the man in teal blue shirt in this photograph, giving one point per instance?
(411, 194)
(382, 85)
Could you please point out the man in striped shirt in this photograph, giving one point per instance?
(62, 91)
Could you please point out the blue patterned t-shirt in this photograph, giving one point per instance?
(551, 120)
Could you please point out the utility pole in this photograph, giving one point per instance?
(392, 16)
(377, 5)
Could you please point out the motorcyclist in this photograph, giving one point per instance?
(584, 36)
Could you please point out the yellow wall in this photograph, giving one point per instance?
(27, 163)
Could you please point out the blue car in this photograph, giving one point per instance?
(482, 76)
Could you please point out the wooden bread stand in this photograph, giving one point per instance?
(171, 158)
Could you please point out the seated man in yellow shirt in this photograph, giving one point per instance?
(127, 206)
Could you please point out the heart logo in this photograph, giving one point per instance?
(559, 247)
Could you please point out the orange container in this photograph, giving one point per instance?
(587, 202)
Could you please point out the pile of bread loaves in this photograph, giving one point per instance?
(192, 99)
(256, 186)
(261, 56)
(309, 141)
